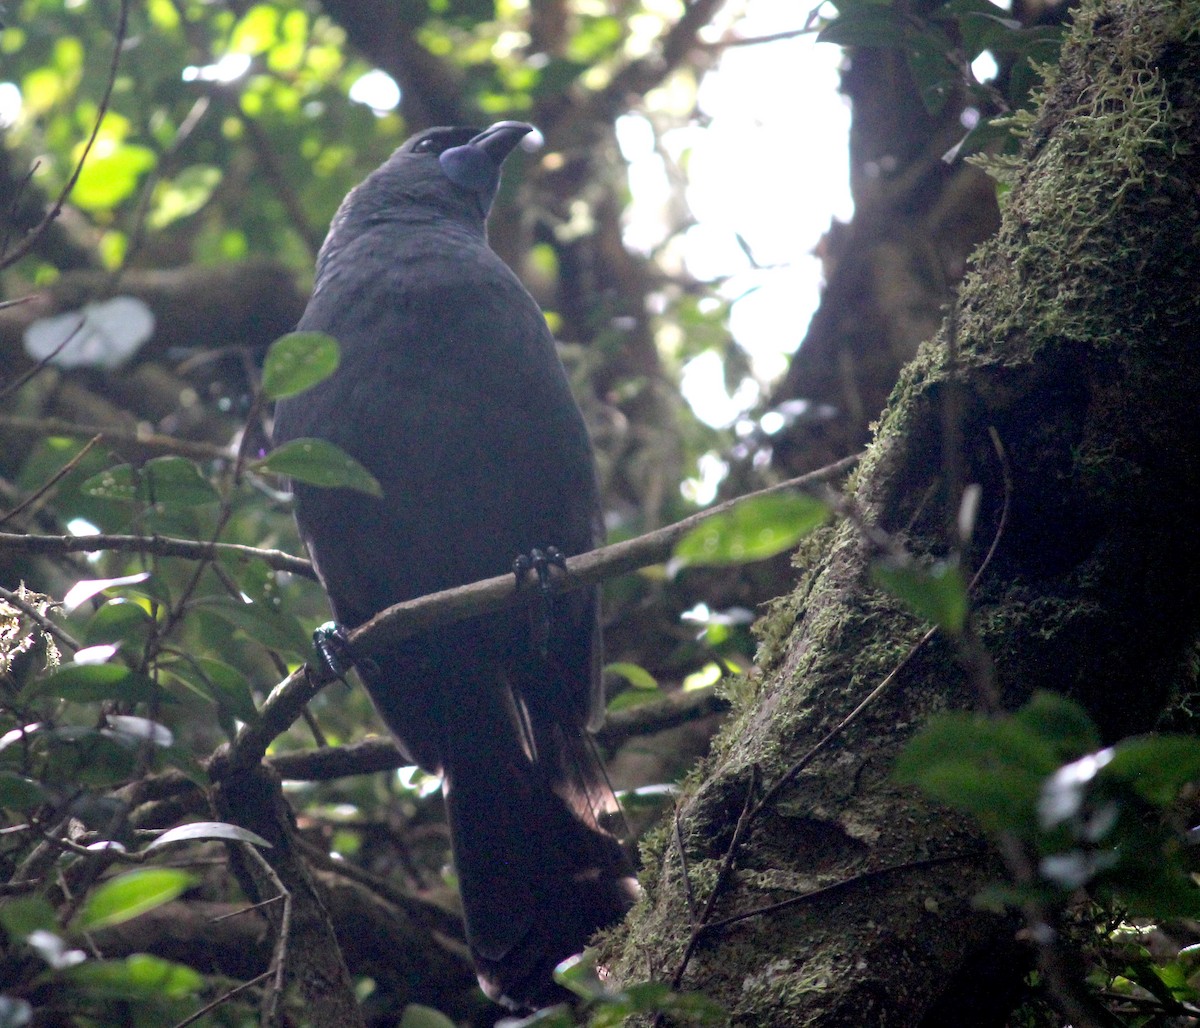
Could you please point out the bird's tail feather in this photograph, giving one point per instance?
(537, 874)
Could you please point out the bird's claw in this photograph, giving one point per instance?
(540, 561)
(333, 649)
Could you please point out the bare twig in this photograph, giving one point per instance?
(743, 823)
(836, 887)
(208, 1008)
(279, 959)
(155, 545)
(11, 387)
(51, 482)
(404, 620)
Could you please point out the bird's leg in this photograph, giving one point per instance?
(333, 649)
(540, 561)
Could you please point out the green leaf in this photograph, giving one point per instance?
(87, 757)
(318, 462)
(173, 481)
(137, 977)
(551, 1017)
(937, 594)
(20, 793)
(297, 362)
(991, 768)
(108, 179)
(634, 698)
(125, 897)
(22, 915)
(1156, 767)
(216, 681)
(207, 830)
(644, 688)
(634, 674)
(86, 588)
(272, 628)
(578, 973)
(87, 683)
(869, 26)
(119, 621)
(184, 195)
(753, 530)
(1061, 722)
(135, 730)
(417, 1016)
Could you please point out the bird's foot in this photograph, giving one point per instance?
(333, 649)
(540, 561)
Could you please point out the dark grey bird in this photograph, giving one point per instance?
(450, 391)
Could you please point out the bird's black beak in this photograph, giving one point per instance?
(499, 140)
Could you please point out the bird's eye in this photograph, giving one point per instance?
(429, 145)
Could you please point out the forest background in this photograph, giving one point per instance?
(954, 770)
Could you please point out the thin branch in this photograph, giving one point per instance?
(11, 387)
(149, 443)
(26, 244)
(885, 544)
(641, 75)
(745, 818)
(208, 1008)
(155, 545)
(770, 37)
(836, 887)
(281, 183)
(323, 765)
(51, 482)
(404, 620)
(382, 754)
(279, 959)
(684, 870)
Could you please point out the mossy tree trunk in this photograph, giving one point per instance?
(1078, 344)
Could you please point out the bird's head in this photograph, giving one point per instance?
(438, 173)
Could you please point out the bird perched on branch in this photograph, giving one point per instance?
(451, 393)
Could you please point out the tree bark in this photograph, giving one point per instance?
(1078, 343)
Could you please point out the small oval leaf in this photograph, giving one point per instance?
(319, 462)
(634, 674)
(20, 793)
(937, 594)
(751, 531)
(298, 361)
(172, 481)
(131, 894)
(417, 1016)
(86, 683)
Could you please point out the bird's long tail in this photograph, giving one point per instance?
(537, 874)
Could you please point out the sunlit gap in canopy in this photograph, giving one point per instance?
(228, 69)
(766, 175)
(377, 90)
(10, 104)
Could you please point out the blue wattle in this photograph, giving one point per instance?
(471, 168)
